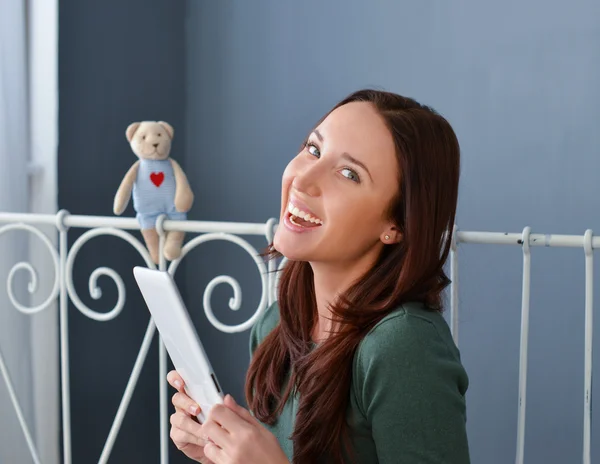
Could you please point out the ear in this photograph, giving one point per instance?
(130, 132)
(391, 235)
(167, 127)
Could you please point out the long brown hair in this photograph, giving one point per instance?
(424, 210)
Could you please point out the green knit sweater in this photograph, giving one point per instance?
(407, 395)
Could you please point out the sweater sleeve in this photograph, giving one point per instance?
(410, 386)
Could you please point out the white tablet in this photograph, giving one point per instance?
(180, 337)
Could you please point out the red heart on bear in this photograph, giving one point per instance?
(157, 178)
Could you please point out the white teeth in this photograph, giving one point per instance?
(295, 211)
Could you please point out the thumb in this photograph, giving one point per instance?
(240, 411)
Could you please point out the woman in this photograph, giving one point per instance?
(354, 362)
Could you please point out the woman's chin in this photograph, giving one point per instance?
(291, 251)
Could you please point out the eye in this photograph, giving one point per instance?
(143, 137)
(350, 174)
(159, 134)
(313, 149)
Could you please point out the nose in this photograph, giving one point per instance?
(308, 181)
(155, 145)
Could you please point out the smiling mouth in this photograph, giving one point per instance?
(301, 218)
(298, 221)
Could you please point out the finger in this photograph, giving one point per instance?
(217, 434)
(184, 403)
(181, 438)
(187, 413)
(214, 453)
(225, 416)
(239, 410)
(175, 380)
(184, 422)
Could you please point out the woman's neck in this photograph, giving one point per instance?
(330, 281)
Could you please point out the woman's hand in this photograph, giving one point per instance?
(186, 432)
(236, 437)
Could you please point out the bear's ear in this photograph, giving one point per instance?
(167, 127)
(130, 132)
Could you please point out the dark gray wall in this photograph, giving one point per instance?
(519, 82)
(119, 62)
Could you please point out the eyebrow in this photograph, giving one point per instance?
(346, 155)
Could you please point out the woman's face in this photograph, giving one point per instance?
(344, 179)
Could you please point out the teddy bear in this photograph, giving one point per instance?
(158, 185)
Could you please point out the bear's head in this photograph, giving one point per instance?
(150, 139)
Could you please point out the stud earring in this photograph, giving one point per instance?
(387, 237)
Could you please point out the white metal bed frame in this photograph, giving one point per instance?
(63, 290)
